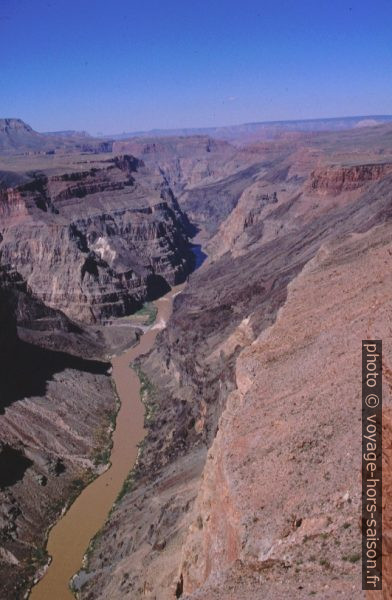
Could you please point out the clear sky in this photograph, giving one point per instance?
(123, 65)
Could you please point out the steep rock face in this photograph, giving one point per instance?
(12, 205)
(95, 243)
(276, 513)
(335, 180)
(207, 175)
(55, 404)
(201, 202)
(253, 207)
(185, 161)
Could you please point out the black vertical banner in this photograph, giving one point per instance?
(371, 464)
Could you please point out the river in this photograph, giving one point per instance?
(199, 255)
(69, 538)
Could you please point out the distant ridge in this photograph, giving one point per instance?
(15, 133)
(17, 137)
(263, 129)
(69, 133)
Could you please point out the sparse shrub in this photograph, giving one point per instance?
(325, 563)
(352, 558)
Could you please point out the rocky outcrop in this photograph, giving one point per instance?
(253, 208)
(14, 132)
(200, 201)
(335, 180)
(95, 243)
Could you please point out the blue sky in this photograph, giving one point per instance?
(115, 65)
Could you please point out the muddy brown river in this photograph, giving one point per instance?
(70, 537)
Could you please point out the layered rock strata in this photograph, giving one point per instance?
(95, 243)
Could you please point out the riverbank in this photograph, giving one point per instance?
(70, 537)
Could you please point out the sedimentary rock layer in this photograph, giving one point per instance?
(95, 243)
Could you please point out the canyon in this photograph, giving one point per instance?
(247, 484)
(95, 243)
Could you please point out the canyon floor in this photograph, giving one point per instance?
(248, 483)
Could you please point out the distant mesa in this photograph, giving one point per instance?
(367, 123)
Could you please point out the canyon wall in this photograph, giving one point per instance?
(239, 421)
(335, 179)
(95, 243)
(56, 399)
(279, 507)
(17, 137)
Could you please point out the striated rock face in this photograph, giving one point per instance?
(185, 161)
(207, 175)
(336, 180)
(200, 202)
(253, 207)
(95, 243)
(55, 401)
